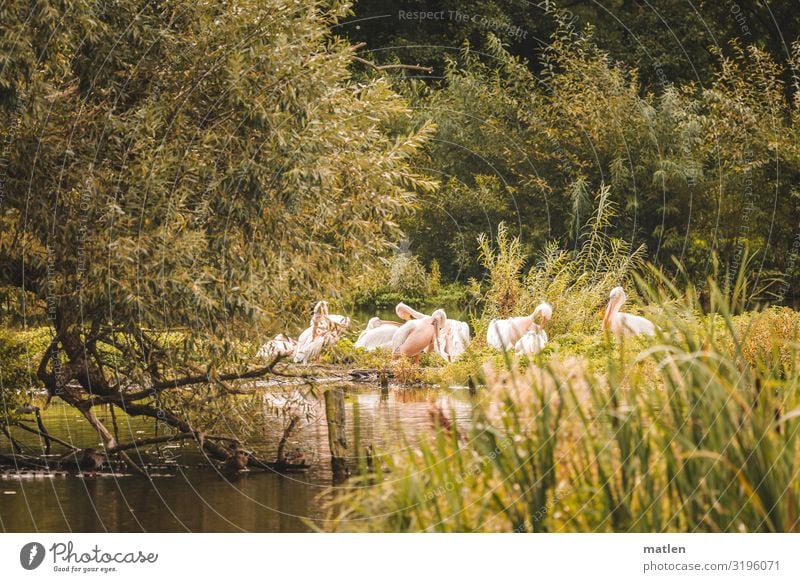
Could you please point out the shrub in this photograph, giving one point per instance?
(407, 276)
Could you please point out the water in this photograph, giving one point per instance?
(198, 497)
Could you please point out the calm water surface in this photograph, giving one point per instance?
(196, 497)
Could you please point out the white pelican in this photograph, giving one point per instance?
(533, 341)
(503, 334)
(418, 335)
(325, 329)
(378, 334)
(341, 322)
(280, 345)
(624, 323)
(453, 339)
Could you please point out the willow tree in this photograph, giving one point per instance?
(179, 176)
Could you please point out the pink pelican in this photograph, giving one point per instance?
(418, 335)
(379, 332)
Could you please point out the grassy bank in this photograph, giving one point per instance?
(695, 430)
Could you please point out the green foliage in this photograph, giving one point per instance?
(435, 278)
(377, 291)
(503, 262)
(576, 283)
(671, 43)
(693, 171)
(20, 354)
(407, 276)
(167, 173)
(345, 353)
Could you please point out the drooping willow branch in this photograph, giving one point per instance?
(377, 67)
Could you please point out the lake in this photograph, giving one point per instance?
(195, 496)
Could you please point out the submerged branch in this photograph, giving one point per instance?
(48, 436)
(143, 442)
(203, 378)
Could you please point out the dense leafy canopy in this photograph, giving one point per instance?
(181, 178)
(195, 164)
(698, 163)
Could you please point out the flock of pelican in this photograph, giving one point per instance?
(418, 333)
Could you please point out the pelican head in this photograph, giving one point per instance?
(543, 312)
(320, 310)
(616, 299)
(439, 318)
(406, 313)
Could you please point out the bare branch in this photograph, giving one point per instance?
(143, 442)
(51, 437)
(393, 66)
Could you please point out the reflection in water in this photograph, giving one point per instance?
(197, 497)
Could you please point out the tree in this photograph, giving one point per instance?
(180, 176)
(694, 170)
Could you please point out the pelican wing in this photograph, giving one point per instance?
(379, 337)
(636, 325)
(495, 333)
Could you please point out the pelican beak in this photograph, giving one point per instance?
(437, 347)
(612, 306)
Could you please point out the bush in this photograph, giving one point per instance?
(407, 276)
(20, 354)
(575, 283)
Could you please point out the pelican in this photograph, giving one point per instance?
(403, 311)
(503, 334)
(418, 335)
(309, 348)
(324, 330)
(378, 334)
(281, 345)
(453, 339)
(341, 322)
(533, 341)
(624, 323)
(453, 336)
